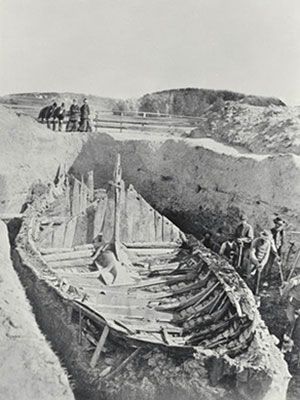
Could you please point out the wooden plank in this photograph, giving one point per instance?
(90, 185)
(123, 363)
(130, 211)
(99, 346)
(50, 250)
(80, 235)
(138, 224)
(152, 245)
(76, 198)
(158, 226)
(68, 255)
(59, 236)
(70, 232)
(83, 196)
(100, 214)
(108, 226)
(71, 263)
(123, 214)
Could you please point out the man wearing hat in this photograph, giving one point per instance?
(229, 250)
(244, 236)
(85, 125)
(278, 236)
(73, 117)
(260, 251)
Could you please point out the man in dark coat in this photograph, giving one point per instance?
(43, 113)
(74, 113)
(229, 250)
(50, 114)
(85, 125)
(59, 115)
(244, 236)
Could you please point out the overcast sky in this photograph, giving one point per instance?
(126, 48)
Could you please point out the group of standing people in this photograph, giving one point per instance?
(253, 257)
(79, 117)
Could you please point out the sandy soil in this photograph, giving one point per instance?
(261, 130)
(29, 369)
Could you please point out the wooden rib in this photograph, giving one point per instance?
(198, 298)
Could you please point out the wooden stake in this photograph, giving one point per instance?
(99, 346)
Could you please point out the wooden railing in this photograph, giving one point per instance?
(126, 120)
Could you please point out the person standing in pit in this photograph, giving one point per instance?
(244, 236)
(260, 251)
(59, 116)
(50, 114)
(85, 125)
(229, 250)
(74, 113)
(278, 235)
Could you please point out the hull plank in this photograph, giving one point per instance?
(158, 226)
(100, 214)
(59, 236)
(70, 232)
(108, 228)
(80, 235)
(76, 198)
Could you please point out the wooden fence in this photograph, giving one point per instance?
(129, 120)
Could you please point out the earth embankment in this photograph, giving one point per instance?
(199, 184)
(262, 130)
(30, 152)
(29, 369)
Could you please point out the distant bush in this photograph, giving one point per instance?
(193, 102)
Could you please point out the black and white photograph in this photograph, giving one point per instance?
(150, 200)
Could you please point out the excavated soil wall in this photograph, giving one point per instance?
(199, 185)
(29, 369)
(30, 152)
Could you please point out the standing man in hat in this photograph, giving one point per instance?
(50, 114)
(278, 235)
(229, 250)
(73, 117)
(85, 125)
(59, 115)
(244, 236)
(260, 250)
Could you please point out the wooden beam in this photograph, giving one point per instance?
(124, 363)
(75, 254)
(152, 245)
(79, 262)
(99, 346)
(51, 250)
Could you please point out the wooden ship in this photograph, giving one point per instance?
(131, 276)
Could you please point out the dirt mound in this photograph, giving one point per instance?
(29, 369)
(30, 152)
(259, 129)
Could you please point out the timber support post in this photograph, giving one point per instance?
(99, 346)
